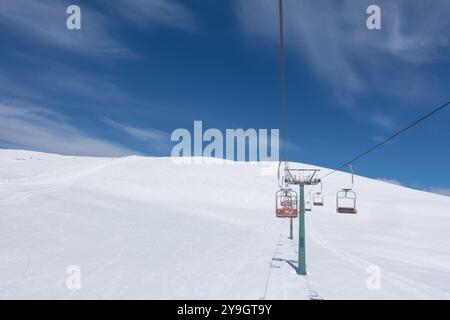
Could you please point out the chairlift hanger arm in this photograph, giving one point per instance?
(302, 180)
(290, 174)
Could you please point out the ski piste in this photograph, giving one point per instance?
(142, 227)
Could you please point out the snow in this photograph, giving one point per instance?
(148, 228)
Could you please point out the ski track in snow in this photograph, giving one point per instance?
(421, 290)
(52, 185)
(145, 228)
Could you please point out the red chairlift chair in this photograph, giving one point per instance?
(286, 203)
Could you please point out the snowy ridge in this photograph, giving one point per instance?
(148, 228)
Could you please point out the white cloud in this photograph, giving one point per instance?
(163, 12)
(74, 84)
(40, 129)
(383, 121)
(417, 32)
(157, 139)
(44, 21)
(71, 81)
(142, 134)
(333, 38)
(11, 87)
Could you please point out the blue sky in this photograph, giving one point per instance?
(140, 69)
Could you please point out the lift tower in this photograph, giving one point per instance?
(302, 178)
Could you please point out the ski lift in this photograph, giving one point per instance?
(318, 197)
(308, 206)
(286, 203)
(346, 198)
(346, 201)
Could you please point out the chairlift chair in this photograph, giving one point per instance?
(346, 198)
(308, 206)
(286, 203)
(318, 197)
(346, 201)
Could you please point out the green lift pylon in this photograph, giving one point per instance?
(301, 234)
(302, 178)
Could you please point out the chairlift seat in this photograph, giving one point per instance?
(346, 201)
(347, 210)
(287, 213)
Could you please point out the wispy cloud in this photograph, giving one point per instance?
(142, 134)
(417, 33)
(332, 37)
(44, 22)
(11, 87)
(157, 139)
(168, 13)
(82, 84)
(37, 128)
(383, 121)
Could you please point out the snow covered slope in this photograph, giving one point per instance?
(148, 228)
